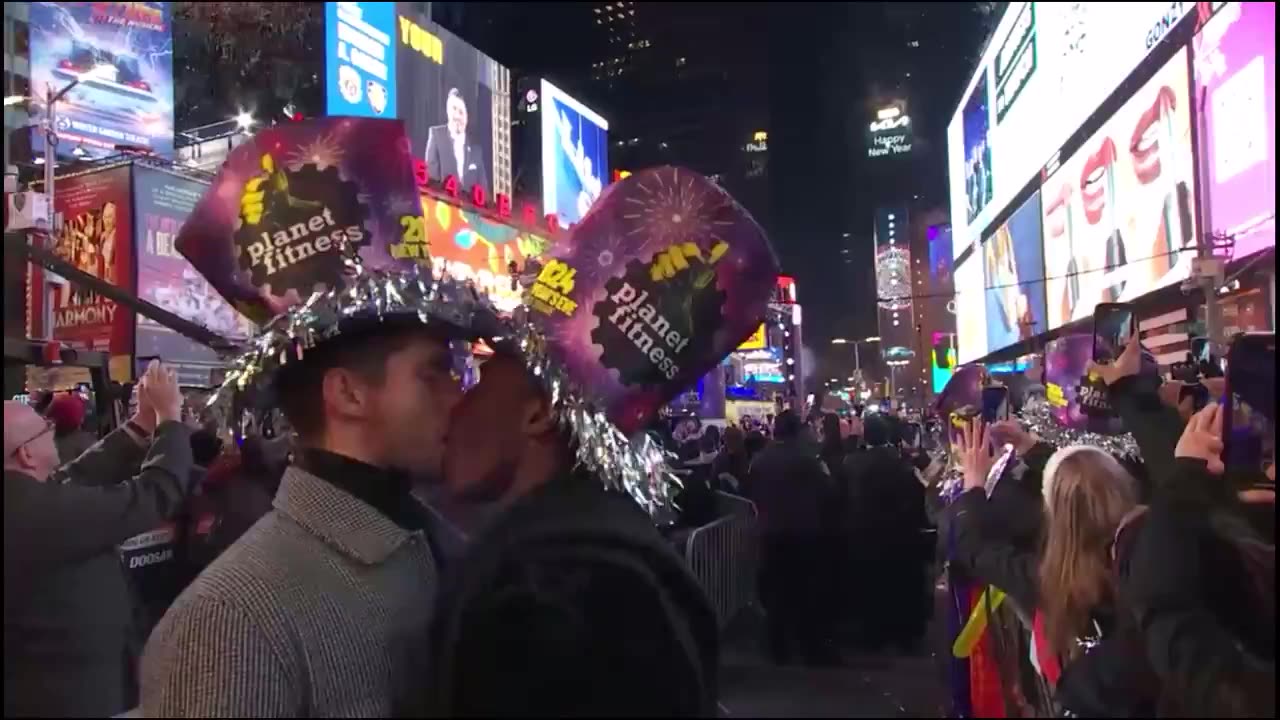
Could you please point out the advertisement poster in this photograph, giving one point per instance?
(448, 102)
(940, 305)
(469, 246)
(360, 61)
(122, 56)
(575, 146)
(971, 313)
(1047, 69)
(96, 233)
(291, 206)
(162, 202)
(662, 279)
(386, 60)
(1119, 215)
(977, 151)
(1235, 64)
(1014, 265)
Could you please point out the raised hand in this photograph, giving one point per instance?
(975, 455)
(1202, 438)
(1128, 364)
(159, 388)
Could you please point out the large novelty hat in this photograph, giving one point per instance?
(661, 280)
(308, 230)
(1079, 399)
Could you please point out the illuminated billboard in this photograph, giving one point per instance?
(575, 145)
(890, 133)
(971, 316)
(121, 57)
(470, 246)
(1048, 67)
(162, 202)
(1119, 214)
(893, 284)
(360, 61)
(1235, 67)
(96, 238)
(387, 60)
(756, 341)
(1013, 263)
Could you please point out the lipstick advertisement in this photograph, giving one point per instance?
(1119, 214)
(1235, 65)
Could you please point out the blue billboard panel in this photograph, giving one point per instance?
(162, 202)
(575, 145)
(360, 60)
(120, 58)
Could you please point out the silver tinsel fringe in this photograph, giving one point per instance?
(1037, 417)
(637, 466)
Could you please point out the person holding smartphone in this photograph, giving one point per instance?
(67, 609)
(1201, 587)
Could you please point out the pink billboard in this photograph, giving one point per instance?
(1235, 67)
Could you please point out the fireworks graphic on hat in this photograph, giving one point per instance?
(668, 208)
(323, 152)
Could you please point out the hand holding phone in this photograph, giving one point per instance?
(1202, 438)
(975, 455)
(1249, 401)
(995, 404)
(1114, 325)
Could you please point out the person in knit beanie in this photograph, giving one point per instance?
(67, 411)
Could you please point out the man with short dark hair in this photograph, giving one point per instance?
(792, 488)
(571, 604)
(313, 611)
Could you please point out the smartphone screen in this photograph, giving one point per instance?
(995, 404)
(1200, 349)
(998, 470)
(1114, 324)
(1198, 393)
(1249, 403)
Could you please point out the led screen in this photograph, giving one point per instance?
(1235, 66)
(575, 145)
(1119, 213)
(1013, 264)
(1047, 69)
(121, 57)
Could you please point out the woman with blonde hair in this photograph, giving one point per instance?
(1082, 645)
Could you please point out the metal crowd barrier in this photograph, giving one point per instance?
(723, 555)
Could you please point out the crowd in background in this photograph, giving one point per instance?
(1129, 588)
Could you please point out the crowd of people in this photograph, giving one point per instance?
(164, 569)
(840, 501)
(165, 572)
(1131, 589)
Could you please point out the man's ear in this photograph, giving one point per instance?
(22, 456)
(538, 419)
(345, 393)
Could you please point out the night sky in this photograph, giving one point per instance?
(693, 82)
(811, 74)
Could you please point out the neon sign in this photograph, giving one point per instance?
(498, 207)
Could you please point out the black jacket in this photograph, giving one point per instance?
(67, 614)
(1155, 426)
(572, 604)
(884, 495)
(1200, 599)
(791, 489)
